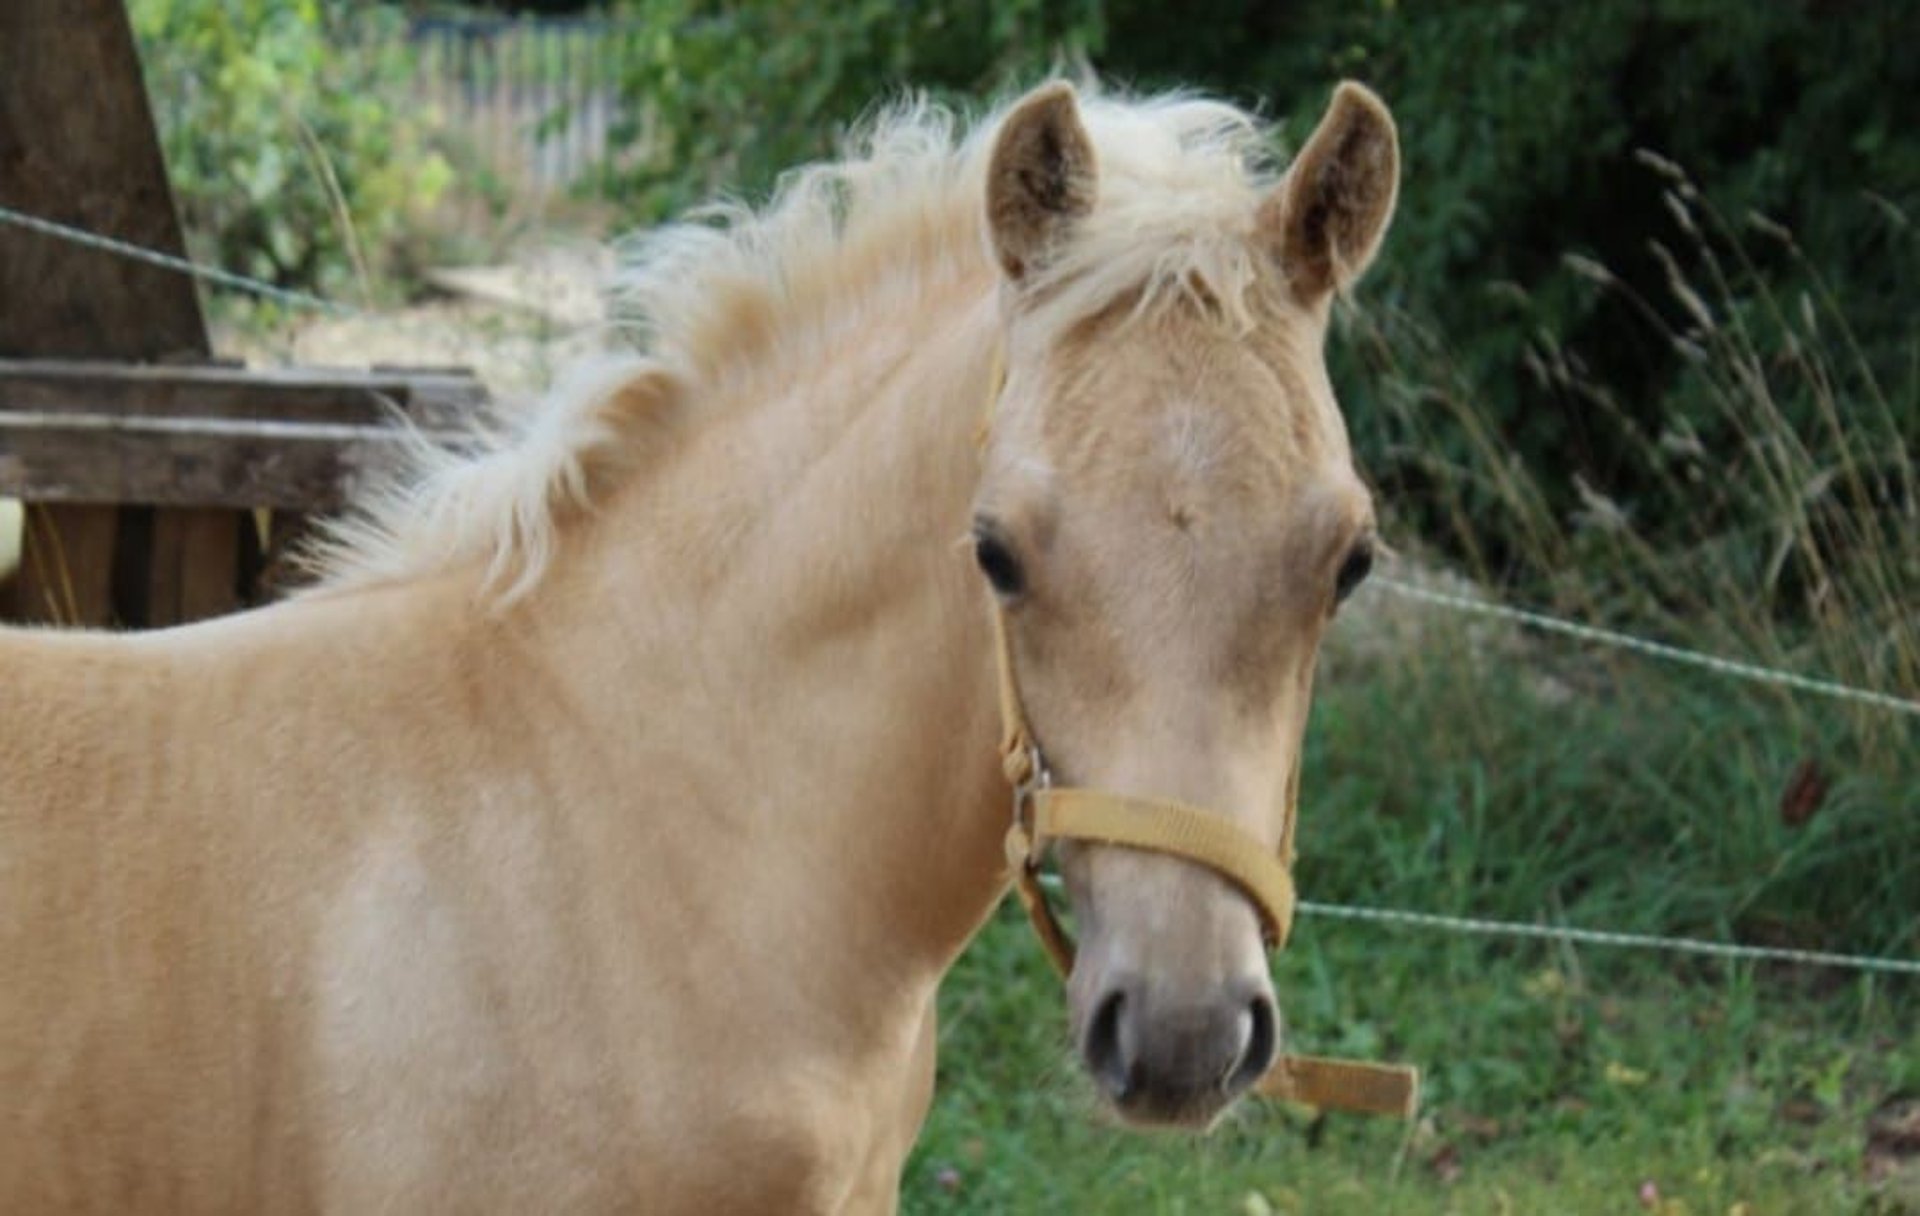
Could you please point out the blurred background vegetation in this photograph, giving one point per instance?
(294, 153)
(1622, 221)
(1642, 349)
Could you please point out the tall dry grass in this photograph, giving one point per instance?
(9, 537)
(1777, 519)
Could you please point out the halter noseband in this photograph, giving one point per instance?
(1043, 812)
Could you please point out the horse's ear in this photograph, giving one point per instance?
(1326, 219)
(1040, 178)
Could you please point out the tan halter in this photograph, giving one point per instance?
(1043, 812)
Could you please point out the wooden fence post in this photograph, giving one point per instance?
(77, 146)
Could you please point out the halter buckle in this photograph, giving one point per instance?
(1036, 778)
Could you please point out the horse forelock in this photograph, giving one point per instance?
(734, 296)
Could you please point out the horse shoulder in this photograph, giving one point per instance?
(129, 1040)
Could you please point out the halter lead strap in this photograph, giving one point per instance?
(1042, 813)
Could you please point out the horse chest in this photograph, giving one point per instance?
(474, 1042)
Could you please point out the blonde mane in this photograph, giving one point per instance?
(733, 295)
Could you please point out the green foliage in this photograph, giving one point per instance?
(728, 93)
(1736, 310)
(296, 154)
(1525, 128)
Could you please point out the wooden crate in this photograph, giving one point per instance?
(160, 494)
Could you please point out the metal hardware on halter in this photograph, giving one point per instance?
(1024, 791)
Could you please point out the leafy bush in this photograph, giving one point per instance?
(728, 94)
(296, 153)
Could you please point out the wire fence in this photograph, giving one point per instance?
(1647, 648)
(166, 261)
(1405, 918)
(1573, 935)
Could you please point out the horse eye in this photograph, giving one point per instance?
(1353, 571)
(999, 564)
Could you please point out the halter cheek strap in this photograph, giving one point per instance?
(1042, 813)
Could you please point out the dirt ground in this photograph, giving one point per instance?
(509, 324)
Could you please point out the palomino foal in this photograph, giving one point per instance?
(595, 835)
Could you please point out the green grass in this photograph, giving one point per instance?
(1558, 1080)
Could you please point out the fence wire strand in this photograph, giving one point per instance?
(1349, 912)
(1604, 937)
(1735, 668)
(1523, 930)
(153, 257)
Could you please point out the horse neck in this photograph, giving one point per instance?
(794, 584)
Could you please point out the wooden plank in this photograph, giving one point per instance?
(232, 464)
(195, 564)
(214, 436)
(77, 146)
(429, 398)
(67, 564)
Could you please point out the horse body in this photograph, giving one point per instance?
(630, 886)
(373, 901)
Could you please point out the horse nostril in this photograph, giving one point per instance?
(1263, 1042)
(1107, 1056)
